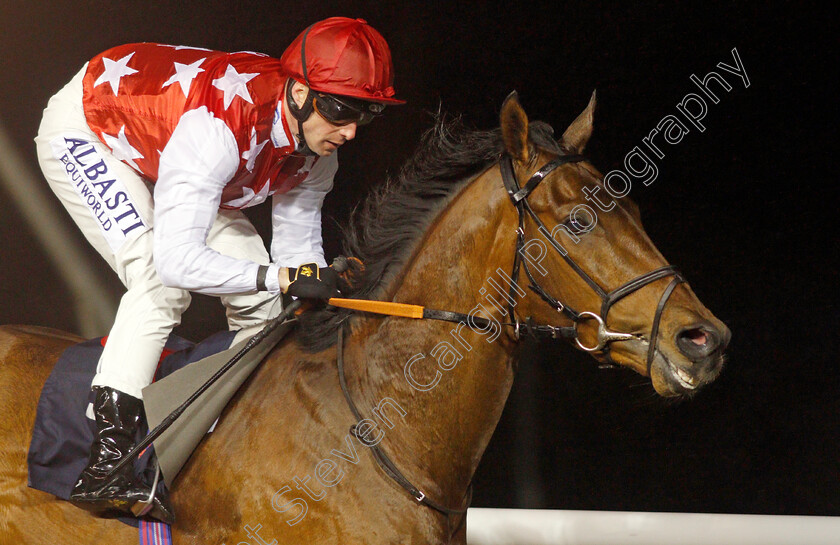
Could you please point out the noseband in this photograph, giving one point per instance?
(519, 197)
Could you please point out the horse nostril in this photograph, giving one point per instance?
(697, 336)
(697, 342)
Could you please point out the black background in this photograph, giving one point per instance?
(744, 209)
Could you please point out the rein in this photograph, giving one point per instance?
(519, 197)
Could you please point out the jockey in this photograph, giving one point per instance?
(155, 149)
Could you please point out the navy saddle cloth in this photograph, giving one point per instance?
(62, 434)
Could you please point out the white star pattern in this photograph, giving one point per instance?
(250, 155)
(249, 198)
(234, 84)
(121, 149)
(114, 70)
(184, 74)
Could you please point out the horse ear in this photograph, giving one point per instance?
(514, 124)
(578, 133)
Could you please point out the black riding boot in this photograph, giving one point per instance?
(117, 420)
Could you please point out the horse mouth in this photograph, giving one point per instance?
(682, 377)
(676, 381)
(670, 379)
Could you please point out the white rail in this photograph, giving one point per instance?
(547, 527)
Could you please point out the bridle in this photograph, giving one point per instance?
(519, 197)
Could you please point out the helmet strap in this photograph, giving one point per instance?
(300, 114)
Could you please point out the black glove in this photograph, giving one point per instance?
(310, 282)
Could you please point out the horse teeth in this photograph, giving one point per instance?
(685, 378)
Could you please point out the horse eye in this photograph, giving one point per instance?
(577, 227)
(572, 224)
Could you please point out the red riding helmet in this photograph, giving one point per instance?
(343, 56)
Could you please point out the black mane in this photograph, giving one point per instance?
(383, 232)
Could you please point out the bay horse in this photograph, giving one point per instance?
(450, 233)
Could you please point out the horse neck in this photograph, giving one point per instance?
(460, 384)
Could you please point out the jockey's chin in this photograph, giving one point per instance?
(323, 137)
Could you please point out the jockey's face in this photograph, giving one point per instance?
(322, 136)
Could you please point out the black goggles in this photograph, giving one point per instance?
(345, 110)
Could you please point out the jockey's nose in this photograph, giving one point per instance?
(349, 131)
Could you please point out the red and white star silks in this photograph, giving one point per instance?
(136, 94)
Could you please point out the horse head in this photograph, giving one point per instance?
(585, 249)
